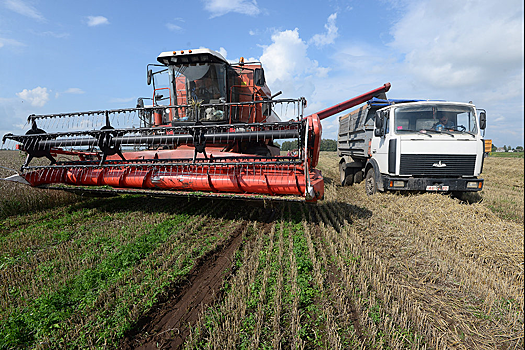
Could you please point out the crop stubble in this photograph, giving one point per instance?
(398, 271)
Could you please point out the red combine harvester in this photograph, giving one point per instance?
(210, 128)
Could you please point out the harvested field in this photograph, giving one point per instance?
(395, 271)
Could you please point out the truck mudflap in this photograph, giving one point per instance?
(432, 184)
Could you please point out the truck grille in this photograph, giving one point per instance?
(437, 164)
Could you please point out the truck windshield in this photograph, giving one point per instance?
(439, 118)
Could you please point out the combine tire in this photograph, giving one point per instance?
(370, 182)
(346, 175)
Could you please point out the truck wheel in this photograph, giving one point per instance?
(342, 174)
(358, 177)
(346, 176)
(370, 182)
(349, 179)
(459, 195)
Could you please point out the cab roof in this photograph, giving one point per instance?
(196, 56)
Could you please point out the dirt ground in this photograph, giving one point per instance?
(166, 326)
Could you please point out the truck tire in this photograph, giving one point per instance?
(346, 175)
(358, 177)
(370, 182)
(459, 195)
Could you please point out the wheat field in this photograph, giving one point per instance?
(418, 271)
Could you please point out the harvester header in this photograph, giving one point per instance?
(208, 127)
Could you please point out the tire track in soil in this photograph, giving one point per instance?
(334, 276)
(166, 326)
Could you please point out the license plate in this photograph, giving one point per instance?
(437, 188)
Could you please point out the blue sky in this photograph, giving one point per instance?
(63, 56)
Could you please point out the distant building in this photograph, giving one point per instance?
(500, 149)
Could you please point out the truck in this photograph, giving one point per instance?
(412, 145)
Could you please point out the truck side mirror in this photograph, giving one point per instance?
(258, 77)
(150, 74)
(482, 120)
(379, 120)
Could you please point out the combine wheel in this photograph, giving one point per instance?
(346, 175)
(370, 182)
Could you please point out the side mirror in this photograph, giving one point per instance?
(258, 77)
(379, 120)
(482, 120)
(140, 103)
(150, 74)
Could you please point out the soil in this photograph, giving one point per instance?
(167, 325)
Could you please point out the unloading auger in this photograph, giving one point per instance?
(210, 129)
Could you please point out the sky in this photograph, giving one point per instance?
(64, 56)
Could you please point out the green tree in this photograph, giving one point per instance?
(494, 148)
(328, 145)
(289, 145)
(519, 148)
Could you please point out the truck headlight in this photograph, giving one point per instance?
(473, 184)
(397, 183)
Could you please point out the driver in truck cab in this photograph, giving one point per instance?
(444, 123)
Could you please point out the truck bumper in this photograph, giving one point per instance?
(432, 184)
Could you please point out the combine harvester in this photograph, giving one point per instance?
(209, 130)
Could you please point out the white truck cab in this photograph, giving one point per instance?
(412, 145)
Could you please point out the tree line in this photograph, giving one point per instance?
(508, 148)
(326, 145)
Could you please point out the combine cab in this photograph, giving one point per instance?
(209, 128)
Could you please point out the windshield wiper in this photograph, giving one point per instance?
(440, 132)
(424, 132)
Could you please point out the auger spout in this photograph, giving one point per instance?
(340, 107)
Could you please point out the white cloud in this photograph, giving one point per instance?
(289, 69)
(94, 21)
(221, 7)
(52, 34)
(74, 91)
(330, 35)
(38, 97)
(465, 50)
(223, 52)
(24, 9)
(173, 27)
(286, 58)
(450, 43)
(10, 42)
